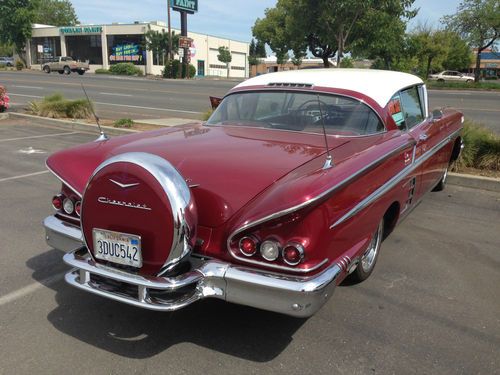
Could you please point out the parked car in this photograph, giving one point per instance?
(288, 189)
(7, 61)
(451, 76)
(65, 65)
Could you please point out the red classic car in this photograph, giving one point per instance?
(288, 188)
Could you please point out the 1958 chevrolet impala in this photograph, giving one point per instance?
(288, 188)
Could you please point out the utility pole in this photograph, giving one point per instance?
(170, 54)
(184, 32)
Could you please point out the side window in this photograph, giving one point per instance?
(396, 111)
(412, 109)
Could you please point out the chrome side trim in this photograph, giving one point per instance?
(394, 181)
(177, 192)
(278, 214)
(63, 181)
(61, 235)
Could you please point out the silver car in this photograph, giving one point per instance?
(7, 61)
(451, 76)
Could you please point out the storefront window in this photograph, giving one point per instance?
(126, 48)
(85, 47)
(44, 49)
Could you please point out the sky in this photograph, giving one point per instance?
(231, 19)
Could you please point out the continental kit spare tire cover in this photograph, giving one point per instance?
(141, 194)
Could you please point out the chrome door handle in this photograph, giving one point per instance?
(423, 137)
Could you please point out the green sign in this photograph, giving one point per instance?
(81, 30)
(189, 6)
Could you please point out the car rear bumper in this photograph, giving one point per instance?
(292, 295)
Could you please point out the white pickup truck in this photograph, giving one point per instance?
(65, 65)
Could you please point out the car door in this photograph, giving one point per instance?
(425, 131)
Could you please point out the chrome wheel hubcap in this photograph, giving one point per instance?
(368, 259)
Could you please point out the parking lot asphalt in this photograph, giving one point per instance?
(430, 307)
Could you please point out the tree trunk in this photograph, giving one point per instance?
(429, 61)
(477, 72)
(340, 52)
(227, 67)
(326, 62)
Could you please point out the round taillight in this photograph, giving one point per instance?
(78, 208)
(57, 202)
(269, 250)
(293, 253)
(68, 206)
(248, 246)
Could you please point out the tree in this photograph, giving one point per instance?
(158, 43)
(260, 49)
(253, 58)
(459, 56)
(477, 21)
(56, 13)
(297, 58)
(282, 58)
(16, 19)
(326, 28)
(225, 57)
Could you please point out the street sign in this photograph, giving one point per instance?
(189, 6)
(40, 48)
(185, 42)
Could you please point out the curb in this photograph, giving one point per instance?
(476, 182)
(4, 116)
(73, 125)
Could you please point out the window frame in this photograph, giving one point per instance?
(423, 102)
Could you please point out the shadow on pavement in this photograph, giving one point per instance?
(131, 332)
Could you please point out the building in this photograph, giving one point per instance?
(490, 64)
(104, 45)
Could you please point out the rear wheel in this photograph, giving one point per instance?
(440, 80)
(60, 71)
(81, 72)
(442, 183)
(67, 70)
(369, 258)
(46, 69)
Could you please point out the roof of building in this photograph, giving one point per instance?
(380, 85)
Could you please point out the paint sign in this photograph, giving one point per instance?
(190, 6)
(81, 30)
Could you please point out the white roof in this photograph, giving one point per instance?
(380, 85)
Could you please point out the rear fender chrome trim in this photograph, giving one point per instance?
(278, 214)
(395, 180)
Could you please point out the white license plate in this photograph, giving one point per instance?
(117, 247)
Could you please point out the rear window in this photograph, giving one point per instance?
(297, 111)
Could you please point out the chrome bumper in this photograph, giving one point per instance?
(295, 296)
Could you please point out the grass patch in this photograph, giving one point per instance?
(102, 71)
(124, 123)
(463, 85)
(206, 115)
(481, 149)
(55, 106)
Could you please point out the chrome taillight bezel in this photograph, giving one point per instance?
(296, 246)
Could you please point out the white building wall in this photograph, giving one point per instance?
(205, 49)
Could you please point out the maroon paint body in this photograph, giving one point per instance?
(247, 173)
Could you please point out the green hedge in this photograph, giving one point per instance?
(127, 69)
(463, 85)
(175, 69)
(102, 71)
(481, 148)
(55, 106)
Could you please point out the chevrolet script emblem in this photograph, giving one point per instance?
(123, 186)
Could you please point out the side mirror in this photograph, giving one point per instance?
(437, 114)
(214, 102)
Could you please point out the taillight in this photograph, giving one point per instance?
(57, 202)
(293, 253)
(68, 206)
(78, 208)
(270, 250)
(248, 246)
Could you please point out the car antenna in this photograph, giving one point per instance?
(329, 160)
(102, 136)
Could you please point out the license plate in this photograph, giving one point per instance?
(116, 247)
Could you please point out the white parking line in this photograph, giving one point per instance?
(20, 293)
(28, 87)
(38, 136)
(154, 109)
(114, 94)
(125, 105)
(22, 176)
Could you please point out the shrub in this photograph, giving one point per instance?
(176, 69)
(55, 106)
(19, 65)
(127, 69)
(102, 71)
(124, 123)
(482, 148)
